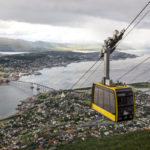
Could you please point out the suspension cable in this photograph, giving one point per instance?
(114, 46)
(132, 28)
(136, 24)
(137, 15)
(134, 78)
(141, 73)
(83, 83)
(133, 68)
(84, 74)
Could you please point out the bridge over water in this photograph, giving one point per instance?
(38, 88)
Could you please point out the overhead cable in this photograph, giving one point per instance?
(84, 75)
(133, 68)
(137, 15)
(83, 83)
(119, 42)
(137, 24)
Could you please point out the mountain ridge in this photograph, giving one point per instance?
(18, 45)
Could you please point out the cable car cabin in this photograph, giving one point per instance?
(114, 102)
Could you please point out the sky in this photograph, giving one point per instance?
(72, 20)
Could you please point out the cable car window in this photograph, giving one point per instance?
(112, 103)
(121, 94)
(96, 94)
(98, 97)
(130, 100)
(125, 98)
(106, 101)
(101, 99)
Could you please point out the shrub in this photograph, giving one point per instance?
(42, 96)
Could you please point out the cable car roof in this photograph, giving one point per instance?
(114, 87)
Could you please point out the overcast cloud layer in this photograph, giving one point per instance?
(71, 20)
(68, 12)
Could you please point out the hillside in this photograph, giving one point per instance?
(138, 140)
(12, 45)
(67, 46)
(65, 120)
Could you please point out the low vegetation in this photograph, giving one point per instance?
(138, 140)
(141, 85)
(64, 120)
(42, 96)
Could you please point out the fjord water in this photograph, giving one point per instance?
(10, 97)
(65, 77)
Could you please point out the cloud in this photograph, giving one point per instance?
(49, 33)
(92, 32)
(71, 20)
(69, 12)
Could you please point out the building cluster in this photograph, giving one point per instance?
(13, 67)
(47, 120)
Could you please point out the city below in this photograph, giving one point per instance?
(53, 118)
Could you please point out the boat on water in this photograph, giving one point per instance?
(37, 89)
(37, 73)
(32, 87)
(4, 80)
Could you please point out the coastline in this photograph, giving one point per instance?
(57, 65)
(3, 119)
(27, 100)
(14, 66)
(18, 111)
(55, 118)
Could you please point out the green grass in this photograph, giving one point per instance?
(141, 85)
(138, 140)
(86, 88)
(42, 96)
(88, 102)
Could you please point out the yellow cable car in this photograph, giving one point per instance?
(115, 102)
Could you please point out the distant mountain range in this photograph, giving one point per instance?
(11, 45)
